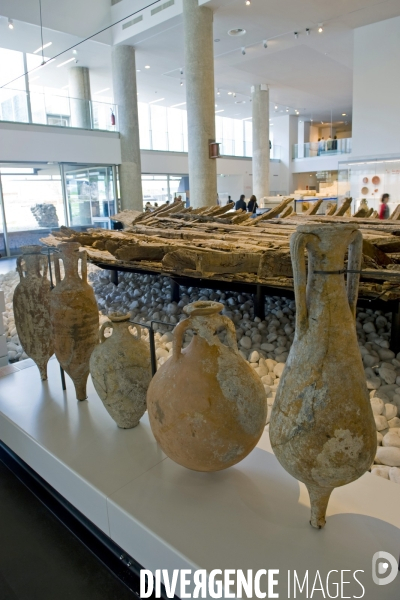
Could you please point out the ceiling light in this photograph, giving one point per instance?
(137, 70)
(320, 27)
(287, 110)
(243, 50)
(64, 63)
(234, 95)
(296, 35)
(218, 111)
(158, 100)
(181, 83)
(42, 47)
(101, 91)
(176, 105)
(147, 67)
(265, 43)
(237, 31)
(181, 71)
(74, 51)
(276, 108)
(308, 31)
(343, 114)
(229, 93)
(248, 2)
(218, 93)
(10, 24)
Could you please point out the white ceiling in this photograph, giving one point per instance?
(312, 73)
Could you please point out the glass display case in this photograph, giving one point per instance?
(369, 179)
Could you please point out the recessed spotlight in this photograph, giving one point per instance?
(10, 24)
(308, 31)
(265, 43)
(181, 83)
(248, 2)
(344, 115)
(320, 27)
(296, 34)
(276, 108)
(229, 93)
(74, 51)
(287, 110)
(147, 67)
(237, 31)
(243, 50)
(137, 70)
(234, 94)
(218, 93)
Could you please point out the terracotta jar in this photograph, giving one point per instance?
(121, 371)
(31, 303)
(322, 428)
(207, 407)
(74, 316)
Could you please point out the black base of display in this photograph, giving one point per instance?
(116, 560)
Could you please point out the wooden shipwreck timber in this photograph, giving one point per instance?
(214, 244)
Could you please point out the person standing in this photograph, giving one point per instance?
(252, 205)
(230, 201)
(384, 209)
(241, 204)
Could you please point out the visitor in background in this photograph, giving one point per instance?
(334, 143)
(241, 204)
(384, 209)
(230, 201)
(252, 205)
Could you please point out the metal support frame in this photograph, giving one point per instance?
(259, 291)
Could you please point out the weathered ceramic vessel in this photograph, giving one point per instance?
(322, 428)
(207, 408)
(121, 371)
(74, 317)
(31, 303)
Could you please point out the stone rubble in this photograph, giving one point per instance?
(264, 344)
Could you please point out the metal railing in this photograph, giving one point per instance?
(51, 109)
(322, 148)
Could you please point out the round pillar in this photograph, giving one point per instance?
(80, 97)
(261, 151)
(125, 97)
(200, 102)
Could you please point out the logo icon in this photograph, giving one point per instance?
(385, 564)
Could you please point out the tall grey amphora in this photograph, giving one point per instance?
(31, 303)
(74, 316)
(322, 428)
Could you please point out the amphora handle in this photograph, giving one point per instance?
(105, 325)
(354, 268)
(298, 242)
(217, 321)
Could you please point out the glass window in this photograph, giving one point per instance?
(144, 126)
(238, 137)
(155, 189)
(248, 138)
(158, 115)
(90, 196)
(13, 99)
(175, 130)
(33, 203)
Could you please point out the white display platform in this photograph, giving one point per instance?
(252, 516)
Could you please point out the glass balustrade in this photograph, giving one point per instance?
(322, 148)
(52, 109)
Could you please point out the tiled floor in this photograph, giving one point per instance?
(40, 559)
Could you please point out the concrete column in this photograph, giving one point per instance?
(125, 97)
(200, 102)
(80, 97)
(260, 111)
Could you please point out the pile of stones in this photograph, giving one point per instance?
(264, 344)
(45, 215)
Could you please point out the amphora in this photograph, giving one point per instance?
(74, 316)
(322, 428)
(31, 303)
(121, 371)
(207, 407)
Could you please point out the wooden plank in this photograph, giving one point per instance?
(313, 208)
(344, 207)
